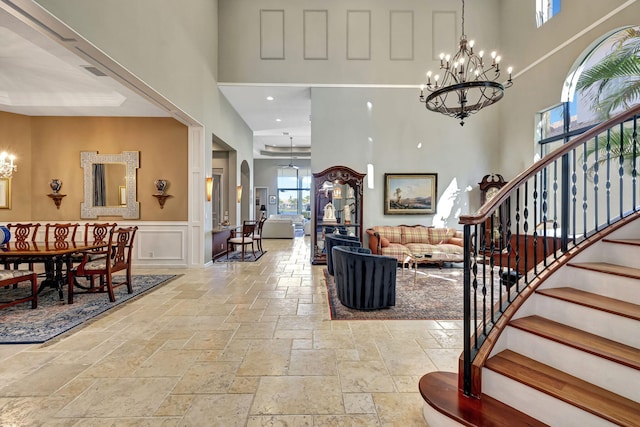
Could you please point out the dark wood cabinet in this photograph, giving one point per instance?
(219, 244)
(341, 188)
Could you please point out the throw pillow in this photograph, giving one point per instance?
(384, 242)
(456, 241)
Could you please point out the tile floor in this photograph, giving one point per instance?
(238, 344)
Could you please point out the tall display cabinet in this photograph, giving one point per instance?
(337, 193)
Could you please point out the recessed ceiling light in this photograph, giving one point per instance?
(270, 98)
(278, 120)
(419, 144)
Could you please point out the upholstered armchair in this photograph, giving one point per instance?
(364, 281)
(331, 240)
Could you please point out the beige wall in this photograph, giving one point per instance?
(49, 147)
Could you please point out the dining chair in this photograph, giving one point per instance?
(60, 233)
(117, 258)
(244, 239)
(257, 235)
(21, 233)
(13, 277)
(95, 233)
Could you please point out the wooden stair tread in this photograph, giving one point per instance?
(598, 302)
(579, 393)
(605, 267)
(440, 390)
(581, 340)
(634, 242)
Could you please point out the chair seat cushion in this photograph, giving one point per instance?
(96, 264)
(240, 240)
(12, 274)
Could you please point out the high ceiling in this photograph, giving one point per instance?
(40, 77)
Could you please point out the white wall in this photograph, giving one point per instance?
(397, 122)
(397, 55)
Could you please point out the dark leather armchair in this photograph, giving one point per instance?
(331, 240)
(364, 281)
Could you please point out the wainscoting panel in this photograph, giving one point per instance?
(358, 34)
(271, 34)
(157, 246)
(444, 37)
(401, 35)
(316, 41)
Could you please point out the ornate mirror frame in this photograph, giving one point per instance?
(131, 160)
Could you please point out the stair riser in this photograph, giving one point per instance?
(609, 285)
(611, 326)
(537, 404)
(609, 375)
(613, 253)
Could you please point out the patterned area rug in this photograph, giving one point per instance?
(436, 295)
(236, 256)
(20, 324)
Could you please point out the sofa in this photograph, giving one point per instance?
(276, 228)
(440, 245)
(298, 220)
(364, 281)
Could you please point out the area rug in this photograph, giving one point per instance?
(436, 295)
(236, 256)
(20, 324)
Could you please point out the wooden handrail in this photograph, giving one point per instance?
(488, 208)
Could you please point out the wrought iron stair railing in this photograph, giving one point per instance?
(572, 193)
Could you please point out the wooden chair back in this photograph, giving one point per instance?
(23, 232)
(60, 233)
(97, 232)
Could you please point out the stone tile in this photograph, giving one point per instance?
(209, 377)
(399, 409)
(266, 357)
(298, 395)
(358, 403)
(43, 381)
(226, 410)
(127, 397)
(313, 362)
(281, 420)
(364, 377)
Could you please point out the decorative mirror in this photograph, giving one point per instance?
(105, 175)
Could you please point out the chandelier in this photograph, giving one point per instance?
(6, 165)
(466, 86)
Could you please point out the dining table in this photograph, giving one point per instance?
(56, 257)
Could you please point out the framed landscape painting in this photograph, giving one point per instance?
(410, 193)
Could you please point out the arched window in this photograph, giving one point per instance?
(603, 81)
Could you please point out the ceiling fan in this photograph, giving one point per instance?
(291, 165)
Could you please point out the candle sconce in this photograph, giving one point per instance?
(55, 185)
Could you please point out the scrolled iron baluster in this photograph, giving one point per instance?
(596, 180)
(574, 194)
(585, 170)
(608, 183)
(621, 168)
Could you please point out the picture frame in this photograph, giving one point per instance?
(272, 199)
(5, 193)
(410, 193)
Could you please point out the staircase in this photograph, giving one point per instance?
(571, 354)
(561, 345)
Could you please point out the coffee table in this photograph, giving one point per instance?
(433, 258)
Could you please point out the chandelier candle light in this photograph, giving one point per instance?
(466, 86)
(7, 168)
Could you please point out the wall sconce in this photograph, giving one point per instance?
(239, 193)
(209, 187)
(55, 185)
(6, 165)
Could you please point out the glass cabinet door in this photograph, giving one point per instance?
(337, 207)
